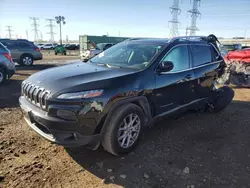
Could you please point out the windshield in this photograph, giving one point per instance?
(128, 54)
(100, 46)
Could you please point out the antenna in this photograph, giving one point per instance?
(175, 11)
(51, 31)
(195, 13)
(35, 28)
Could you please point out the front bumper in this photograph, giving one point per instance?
(58, 131)
(11, 72)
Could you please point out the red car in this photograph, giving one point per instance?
(241, 56)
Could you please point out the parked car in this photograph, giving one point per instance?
(232, 47)
(39, 45)
(72, 47)
(113, 96)
(7, 66)
(89, 53)
(22, 51)
(48, 46)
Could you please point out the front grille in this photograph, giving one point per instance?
(35, 94)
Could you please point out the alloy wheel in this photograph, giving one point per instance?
(129, 130)
(27, 61)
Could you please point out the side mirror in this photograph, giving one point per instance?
(165, 66)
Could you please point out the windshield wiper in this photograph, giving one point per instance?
(108, 65)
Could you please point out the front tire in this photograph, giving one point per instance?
(26, 60)
(123, 129)
(3, 76)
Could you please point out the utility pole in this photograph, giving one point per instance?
(175, 11)
(35, 28)
(51, 31)
(27, 34)
(60, 20)
(41, 36)
(67, 39)
(187, 31)
(9, 30)
(195, 13)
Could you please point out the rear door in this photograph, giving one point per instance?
(174, 88)
(205, 62)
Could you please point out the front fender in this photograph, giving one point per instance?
(141, 101)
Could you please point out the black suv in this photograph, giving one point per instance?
(113, 96)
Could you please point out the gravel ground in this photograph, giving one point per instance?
(196, 150)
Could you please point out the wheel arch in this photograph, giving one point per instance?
(2, 66)
(26, 54)
(140, 101)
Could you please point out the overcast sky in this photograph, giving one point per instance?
(130, 18)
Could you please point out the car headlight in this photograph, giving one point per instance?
(81, 95)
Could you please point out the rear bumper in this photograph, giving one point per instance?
(58, 131)
(38, 57)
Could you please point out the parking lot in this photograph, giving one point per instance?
(195, 150)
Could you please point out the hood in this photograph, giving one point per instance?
(77, 77)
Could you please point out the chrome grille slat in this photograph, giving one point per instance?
(35, 94)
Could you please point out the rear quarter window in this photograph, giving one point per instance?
(201, 54)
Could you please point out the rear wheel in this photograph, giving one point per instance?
(123, 129)
(26, 60)
(3, 76)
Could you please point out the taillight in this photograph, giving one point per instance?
(8, 56)
(37, 49)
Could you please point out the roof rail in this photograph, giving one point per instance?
(188, 38)
(136, 38)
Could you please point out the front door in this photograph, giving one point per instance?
(174, 88)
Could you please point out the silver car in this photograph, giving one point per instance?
(7, 66)
(22, 51)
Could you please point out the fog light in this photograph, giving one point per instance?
(66, 114)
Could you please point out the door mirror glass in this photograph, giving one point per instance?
(165, 66)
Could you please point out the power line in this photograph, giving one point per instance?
(175, 11)
(35, 28)
(9, 30)
(51, 31)
(195, 13)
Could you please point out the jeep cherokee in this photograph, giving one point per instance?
(110, 98)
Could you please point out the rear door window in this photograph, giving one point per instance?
(201, 54)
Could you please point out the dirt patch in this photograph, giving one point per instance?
(198, 149)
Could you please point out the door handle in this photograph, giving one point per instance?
(188, 77)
